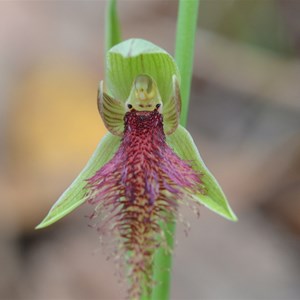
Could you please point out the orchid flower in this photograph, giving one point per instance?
(145, 166)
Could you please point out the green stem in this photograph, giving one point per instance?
(112, 25)
(184, 56)
(163, 266)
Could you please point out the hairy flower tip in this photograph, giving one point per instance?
(139, 189)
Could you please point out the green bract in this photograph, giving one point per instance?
(125, 62)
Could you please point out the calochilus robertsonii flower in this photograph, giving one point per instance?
(146, 165)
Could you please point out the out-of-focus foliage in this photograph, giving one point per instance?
(55, 117)
(256, 22)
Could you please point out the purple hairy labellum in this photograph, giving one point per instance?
(138, 188)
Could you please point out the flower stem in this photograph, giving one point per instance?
(184, 56)
(112, 25)
(163, 266)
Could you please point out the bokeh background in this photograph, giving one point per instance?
(244, 116)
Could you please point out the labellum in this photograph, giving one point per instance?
(142, 185)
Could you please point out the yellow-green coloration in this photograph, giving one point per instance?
(112, 112)
(144, 95)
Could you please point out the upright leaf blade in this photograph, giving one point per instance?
(184, 54)
(184, 50)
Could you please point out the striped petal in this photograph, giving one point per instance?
(112, 112)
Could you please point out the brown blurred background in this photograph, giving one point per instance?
(245, 118)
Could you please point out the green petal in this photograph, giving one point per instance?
(134, 57)
(171, 110)
(112, 112)
(214, 199)
(75, 194)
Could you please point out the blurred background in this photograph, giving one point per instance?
(244, 116)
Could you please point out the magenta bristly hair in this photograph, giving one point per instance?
(139, 189)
